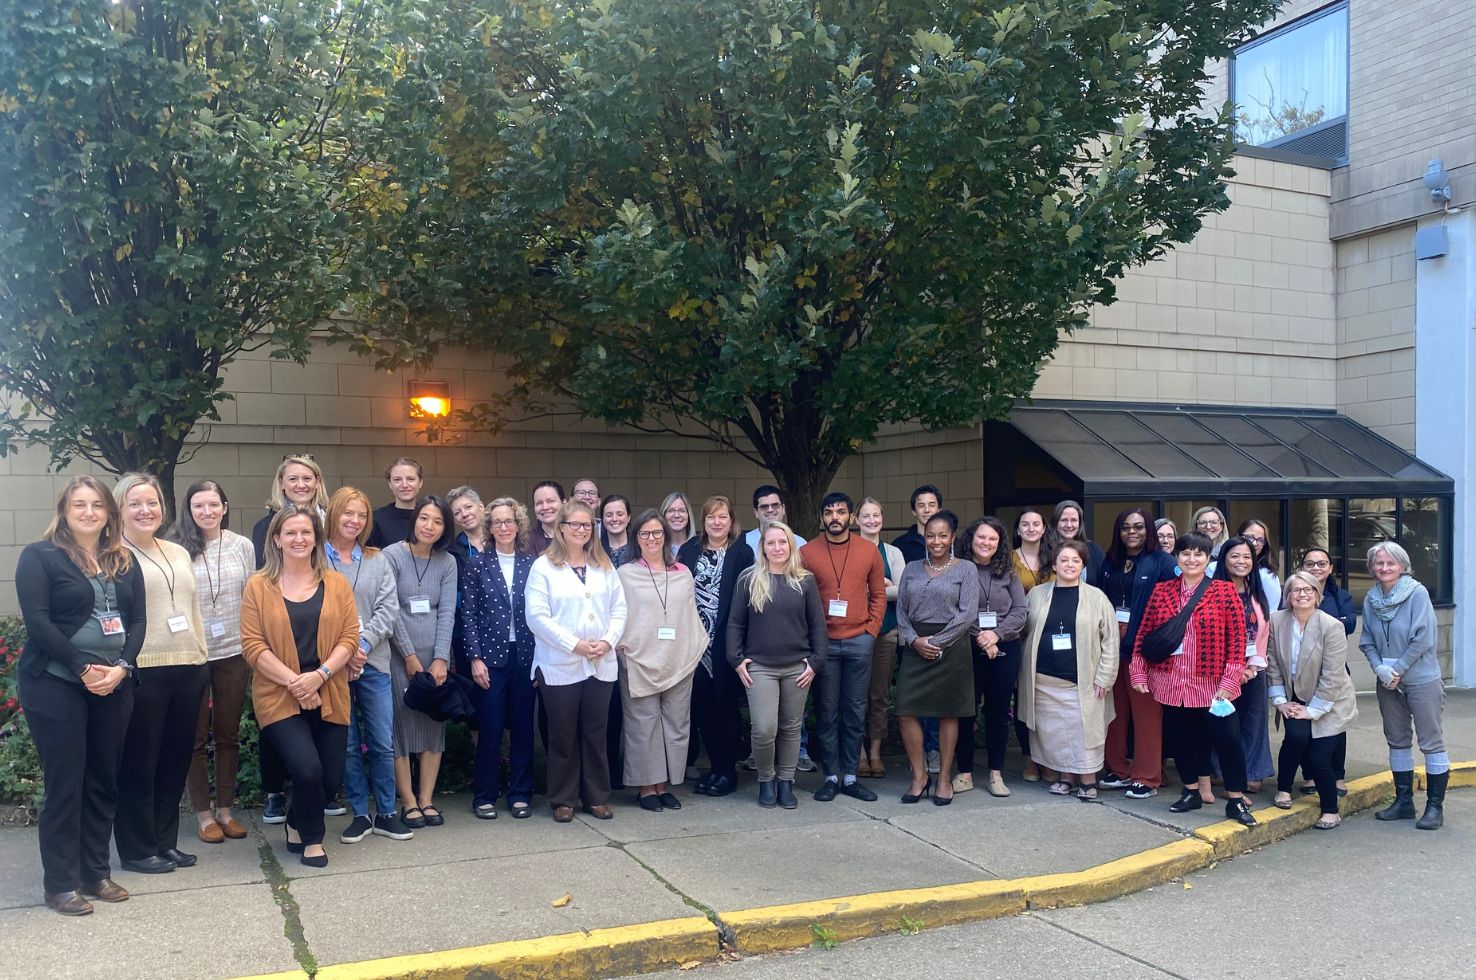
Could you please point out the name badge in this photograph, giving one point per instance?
(217, 630)
(1060, 641)
(1250, 649)
(988, 620)
(111, 623)
(1124, 615)
(837, 608)
(666, 632)
(419, 604)
(178, 624)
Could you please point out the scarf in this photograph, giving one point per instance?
(1386, 604)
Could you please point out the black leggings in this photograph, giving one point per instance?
(1316, 756)
(314, 753)
(1191, 732)
(994, 682)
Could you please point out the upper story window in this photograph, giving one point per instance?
(1290, 86)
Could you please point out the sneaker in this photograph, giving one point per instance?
(1111, 780)
(693, 774)
(806, 764)
(1137, 791)
(275, 810)
(334, 808)
(748, 764)
(390, 825)
(935, 761)
(356, 831)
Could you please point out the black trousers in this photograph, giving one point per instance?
(994, 682)
(79, 737)
(156, 758)
(716, 722)
(1190, 733)
(273, 773)
(314, 753)
(578, 766)
(615, 739)
(1317, 757)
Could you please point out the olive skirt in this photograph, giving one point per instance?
(942, 688)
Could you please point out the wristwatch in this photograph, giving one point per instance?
(127, 667)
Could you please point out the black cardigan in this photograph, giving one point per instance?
(56, 599)
(739, 557)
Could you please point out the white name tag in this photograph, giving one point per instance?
(419, 604)
(1124, 615)
(1250, 649)
(988, 620)
(666, 632)
(1060, 641)
(111, 623)
(837, 608)
(217, 630)
(178, 624)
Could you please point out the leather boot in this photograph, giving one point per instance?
(784, 792)
(1434, 815)
(768, 796)
(1403, 806)
(68, 903)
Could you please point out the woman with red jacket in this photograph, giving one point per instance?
(1198, 681)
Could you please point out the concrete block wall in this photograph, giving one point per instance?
(1376, 332)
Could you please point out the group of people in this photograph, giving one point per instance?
(630, 641)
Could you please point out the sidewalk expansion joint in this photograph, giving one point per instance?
(725, 935)
(891, 822)
(1176, 829)
(1109, 948)
(281, 888)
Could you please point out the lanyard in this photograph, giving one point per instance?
(102, 583)
(330, 551)
(419, 572)
(660, 596)
(166, 570)
(217, 583)
(830, 553)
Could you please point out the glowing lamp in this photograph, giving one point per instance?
(430, 399)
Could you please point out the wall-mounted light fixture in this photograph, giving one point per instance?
(430, 399)
(1437, 181)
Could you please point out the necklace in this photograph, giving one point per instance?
(943, 567)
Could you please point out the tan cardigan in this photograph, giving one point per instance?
(267, 632)
(1322, 668)
(1096, 657)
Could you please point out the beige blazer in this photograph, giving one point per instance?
(1096, 657)
(1322, 668)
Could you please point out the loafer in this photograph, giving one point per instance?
(703, 784)
(784, 791)
(275, 810)
(232, 829)
(721, 785)
(669, 801)
(651, 803)
(180, 858)
(1240, 812)
(856, 791)
(996, 787)
(68, 903)
(563, 814)
(106, 890)
(211, 833)
(599, 811)
(827, 791)
(963, 782)
(151, 865)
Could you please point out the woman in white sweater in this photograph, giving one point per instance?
(576, 611)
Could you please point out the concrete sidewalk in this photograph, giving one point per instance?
(249, 907)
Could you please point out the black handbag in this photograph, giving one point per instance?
(1160, 644)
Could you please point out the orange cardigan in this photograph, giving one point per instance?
(267, 632)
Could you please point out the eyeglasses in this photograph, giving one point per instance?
(1314, 565)
(291, 456)
(650, 535)
(579, 525)
(769, 508)
(1206, 522)
(1254, 538)
(1302, 591)
(1135, 527)
(504, 522)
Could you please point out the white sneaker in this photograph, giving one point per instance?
(806, 764)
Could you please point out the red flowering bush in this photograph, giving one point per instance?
(20, 767)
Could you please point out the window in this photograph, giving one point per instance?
(1370, 521)
(1290, 86)
(1426, 521)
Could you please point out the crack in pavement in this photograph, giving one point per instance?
(725, 935)
(1108, 947)
(281, 889)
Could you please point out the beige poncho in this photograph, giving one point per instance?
(652, 664)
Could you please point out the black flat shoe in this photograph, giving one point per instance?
(669, 801)
(151, 865)
(485, 811)
(651, 802)
(1240, 812)
(321, 861)
(1188, 800)
(703, 784)
(856, 791)
(827, 791)
(180, 858)
(721, 785)
(294, 847)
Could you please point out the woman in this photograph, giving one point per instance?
(299, 480)
(172, 675)
(884, 654)
(470, 515)
(1130, 571)
(1167, 534)
(1399, 636)
(937, 609)
(776, 641)
(81, 595)
(1337, 603)
(1032, 549)
(663, 641)
(548, 497)
(1196, 681)
(576, 610)
(1237, 566)
(716, 557)
(372, 700)
(299, 630)
(500, 647)
(676, 510)
(1069, 524)
(391, 522)
(1254, 533)
(425, 581)
(1068, 667)
(222, 560)
(1307, 662)
(614, 525)
(1210, 521)
(996, 650)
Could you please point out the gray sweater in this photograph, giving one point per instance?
(429, 631)
(790, 629)
(373, 582)
(1407, 640)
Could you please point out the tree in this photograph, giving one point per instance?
(179, 183)
(786, 223)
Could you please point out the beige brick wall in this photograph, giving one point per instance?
(1376, 332)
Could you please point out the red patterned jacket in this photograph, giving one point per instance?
(1219, 626)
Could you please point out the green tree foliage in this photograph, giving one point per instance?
(788, 223)
(179, 183)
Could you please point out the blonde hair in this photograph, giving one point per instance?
(760, 589)
(520, 514)
(594, 552)
(1306, 578)
(272, 565)
(276, 501)
(1224, 534)
(339, 503)
(129, 482)
(113, 559)
(672, 498)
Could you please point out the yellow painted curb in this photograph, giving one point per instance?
(1461, 774)
(616, 951)
(1121, 877)
(1229, 838)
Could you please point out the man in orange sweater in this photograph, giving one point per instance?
(849, 572)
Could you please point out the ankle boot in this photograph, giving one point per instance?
(1403, 806)
(768, 797)
(784, 793)
(1434, 815)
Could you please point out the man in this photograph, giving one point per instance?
(849, 572)
(767, 508)
(927, 500)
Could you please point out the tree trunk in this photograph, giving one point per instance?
(804, 481)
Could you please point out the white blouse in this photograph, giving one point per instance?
(562, 610)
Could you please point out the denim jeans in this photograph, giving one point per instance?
(371, 722)
(840, 704)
